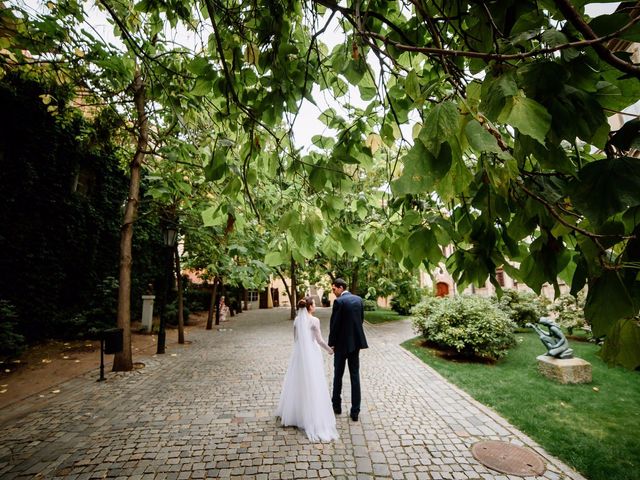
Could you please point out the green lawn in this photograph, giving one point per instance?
(594, 428)
(382, 315)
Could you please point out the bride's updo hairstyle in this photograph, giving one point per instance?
(305, 303)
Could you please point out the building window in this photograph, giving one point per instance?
(500, 276)
(253, 295)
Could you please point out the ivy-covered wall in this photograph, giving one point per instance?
(60, 212)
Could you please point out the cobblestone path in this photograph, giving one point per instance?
(204, 410)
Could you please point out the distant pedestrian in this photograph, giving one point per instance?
(224, 310)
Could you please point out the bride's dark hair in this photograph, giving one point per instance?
(306, 302)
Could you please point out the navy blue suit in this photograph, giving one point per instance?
(346, 335)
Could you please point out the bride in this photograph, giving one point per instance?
(304, 401)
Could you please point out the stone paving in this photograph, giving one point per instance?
(204, 411)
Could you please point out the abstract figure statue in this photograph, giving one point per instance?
(555, 341)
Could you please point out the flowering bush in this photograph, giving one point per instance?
(521, 307)
(472, 326)
(570, 312)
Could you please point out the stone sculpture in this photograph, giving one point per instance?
(554, 340)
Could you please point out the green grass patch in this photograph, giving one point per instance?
(593, 430)
(382, 316)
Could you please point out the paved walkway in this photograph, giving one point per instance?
(204, 410)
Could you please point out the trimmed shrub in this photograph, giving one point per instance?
(421, 312)
(472, 326)
(521, 307)
(370, 305)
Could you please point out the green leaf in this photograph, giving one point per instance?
(410, 218)
(412, 85)
(304, 239)
(356, 69)
(218, 165)
(331, 119)
(414, 178)
(199, 66)
(553, 37)
(529, 117)
(314, 224)
(213, 216)
(321, 141)
(202, 87)
(292, 217)
(622, 345)
(480, 139)
(542, 78)
(605, 24)
(423, 245)
(371, 244)
(608, 301)
(615, 183)
(456, 181)
(441, 124)
(628, 136)
(579, 279)
(274, 259)
(318, 178)
(532, 272)
(232, 187)
(495, 93)
(346, 240)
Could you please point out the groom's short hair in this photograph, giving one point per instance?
(340, 283)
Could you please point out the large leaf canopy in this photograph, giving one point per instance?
(473, 124)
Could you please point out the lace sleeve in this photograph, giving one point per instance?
(317, 334)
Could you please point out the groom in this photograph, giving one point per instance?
(346, 337)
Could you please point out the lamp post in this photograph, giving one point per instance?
(169, 236)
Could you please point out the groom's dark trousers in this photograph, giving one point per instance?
(340, 359)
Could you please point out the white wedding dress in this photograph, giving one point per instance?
(305, 401)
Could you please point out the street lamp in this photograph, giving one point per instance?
(169, 236)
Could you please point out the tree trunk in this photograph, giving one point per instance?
(289, 294)
(245, 297)
(176, 255)
(122, 361)
(213, 305)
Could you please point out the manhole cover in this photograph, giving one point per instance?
(507, 458)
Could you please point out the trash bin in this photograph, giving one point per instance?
(113, 341)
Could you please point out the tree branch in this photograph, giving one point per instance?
(572, 16)
(557, 216)
(498, 56)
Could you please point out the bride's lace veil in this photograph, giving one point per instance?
(302, 327)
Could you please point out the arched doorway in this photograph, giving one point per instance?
(442, 289)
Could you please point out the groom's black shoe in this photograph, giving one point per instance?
(354, 417)
(337, 410)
